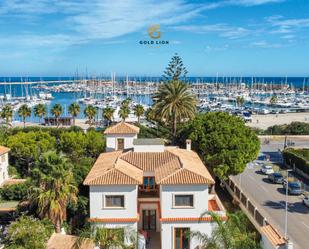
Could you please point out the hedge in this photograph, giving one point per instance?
(15, 192)
(299, 157)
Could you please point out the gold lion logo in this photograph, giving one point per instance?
(154, 31)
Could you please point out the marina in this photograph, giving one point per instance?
(239, 96)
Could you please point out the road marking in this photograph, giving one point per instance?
(305, 225)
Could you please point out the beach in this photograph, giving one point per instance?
(265, 121)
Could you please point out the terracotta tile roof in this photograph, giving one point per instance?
(113, 220)
(273, 235)
(173, 166)
(63, 241)
(3, 150)
(105, 171)
(149, 161)
(122, 128)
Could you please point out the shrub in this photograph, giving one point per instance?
(299, 157)
(15, 192)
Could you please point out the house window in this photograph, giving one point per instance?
(149, 183)
(183, 200)
(120, 144)
(114, 201)
(182, 238)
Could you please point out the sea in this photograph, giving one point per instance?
(66, 98)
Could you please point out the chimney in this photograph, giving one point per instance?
(188, 144)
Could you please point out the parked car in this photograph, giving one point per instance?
(306, 200)
(276, 177)
(267, 169)
(294, 188)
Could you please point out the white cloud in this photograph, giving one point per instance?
(264, 44)
(284, 26)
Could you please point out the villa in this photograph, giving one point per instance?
(161, 191)
(4, 163)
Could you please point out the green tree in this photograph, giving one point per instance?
(175, 69)
(240, 101)
(273, 99)
(24, 111)
(7, 114)
(57, 111)
(26, 147)
(72, 144)
(90, 112)
(231, 234)
(55, 188)
(124, 112)
(94, 144)
(28, 233)
(40, 111)
(74, 110)
(126, 102)
(108, 114)
(223, 141)
(138, 112)
(174, 103)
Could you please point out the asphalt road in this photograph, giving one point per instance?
(270, 198)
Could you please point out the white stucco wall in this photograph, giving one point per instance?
(111, 141)
(167, 232)
(148, 148)
(97, 193)
(4, 163)
(200, 200)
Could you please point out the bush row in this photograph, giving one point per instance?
(297, 157)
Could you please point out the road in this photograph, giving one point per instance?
(270, 198)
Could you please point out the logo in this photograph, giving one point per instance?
(155, 35)
(154, 31)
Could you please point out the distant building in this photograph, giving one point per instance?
(4, 163)
(143, 185)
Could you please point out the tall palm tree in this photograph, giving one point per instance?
(108, 114)
(40, 111)
(24, 111)
(138, 112)
(57, 111)
(55, 189)
(74, 110)
(90, 112)
(7, 114)
(273, 100)
(124, 112)
(174, 102)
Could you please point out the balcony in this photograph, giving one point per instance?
(148, 192)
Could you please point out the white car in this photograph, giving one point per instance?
(267, 169)
(306, 200)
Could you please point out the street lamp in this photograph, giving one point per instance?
(286, 203)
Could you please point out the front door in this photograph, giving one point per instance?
(149, 220)
(120, 144)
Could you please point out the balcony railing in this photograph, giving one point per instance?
(148, 192)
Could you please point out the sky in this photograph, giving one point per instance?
(97, 37)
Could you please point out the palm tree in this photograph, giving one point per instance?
(138, 112)
(124, 112)
(24, 111)
(7, 114)
(273, 100)
(240, 101)
(90, 112)
(40, 111)
(230, 234)
(57, 111)
(103, 237)
(108, 114)
(55, 189)
(174, 102)
(74, 110)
